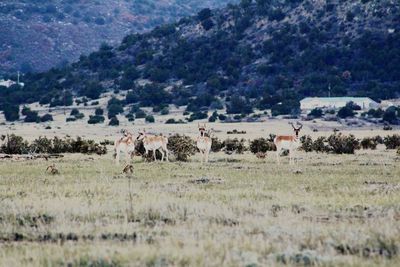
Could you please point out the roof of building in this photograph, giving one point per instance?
(336, 99)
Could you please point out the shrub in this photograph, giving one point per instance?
(234, 146)
(46, 117)
(306, 143)
(261, 145)
(32, 116)
(99, 112)
(74, 112)
(150, 119)
(79, 116)
(392, 141)
(216, 145)
(164, 111)
(369, 143)
(198, 116)
(345, 112)
(319, 145)
(181, 146)
(130, 117)
(173, 121)
(14, 144)
(70, 119)
(96, 119)
(316, 113)
(11, 112)
(140, 114)
(113, 121)
(341, 144)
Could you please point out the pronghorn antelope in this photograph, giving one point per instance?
(204, 142)
(154, 143)
(126, 144)
(288, 142)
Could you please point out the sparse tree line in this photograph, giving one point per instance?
(183, 147)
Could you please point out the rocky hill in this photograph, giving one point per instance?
(37, 35)
(266, 54)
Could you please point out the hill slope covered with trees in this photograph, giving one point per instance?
(37, 35)
(264, 54)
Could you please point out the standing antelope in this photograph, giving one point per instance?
(204, 142)
(126, 144)
(154, 143)
(288, 142)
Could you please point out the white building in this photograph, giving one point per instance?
(8, 83)
(310, 103)
(390, 103)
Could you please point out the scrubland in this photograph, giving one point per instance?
(238, 210)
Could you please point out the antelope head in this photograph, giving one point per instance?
(202, 128)
(297, 130)
(141, 135)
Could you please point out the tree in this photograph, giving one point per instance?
(239, 105)
(391, 115)
(11, 112)
(316, 113)
(150, 119)
(204, 14)
(99, 112)
(345, 112)
(113, 121)
(32, 116)
(47, 117)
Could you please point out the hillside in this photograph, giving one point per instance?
(264, 54)
(38, 35)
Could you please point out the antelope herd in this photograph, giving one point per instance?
(159, 143)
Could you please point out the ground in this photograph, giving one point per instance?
(235, 211)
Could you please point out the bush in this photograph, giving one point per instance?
(316, 113)
(306, 143)
(345, 112)
(46, 117)
(216, 145)
(32, 116)
(130, 117)
(341, 144)
(319, 145)
(99, 112)
(113, 121)
(369, 143)
(198, 116)
(11, 112)
(67, 145)
(234, 146)
(150, 119)
(181, 146)
(14, 144)
(140, 114)
(261, 145)
(173, 121)
(96, 119)
(70, 119)
(392, 141)
(74, 112)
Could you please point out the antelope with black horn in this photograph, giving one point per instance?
(204, 142)
(288, 142)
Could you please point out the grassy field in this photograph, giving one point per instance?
(236, 211)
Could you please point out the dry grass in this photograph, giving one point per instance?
(236, 211)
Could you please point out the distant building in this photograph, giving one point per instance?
(390, 103)
(310, 103)
(9, 83)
